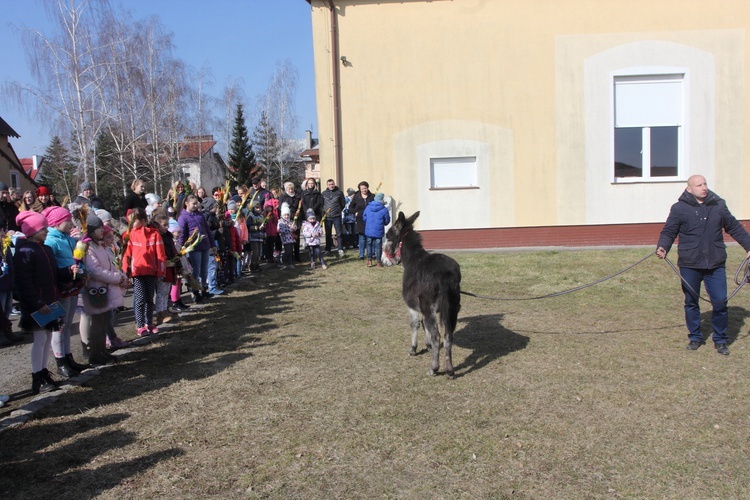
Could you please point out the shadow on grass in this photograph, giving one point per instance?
(30, 470)
(209, 341)
(487, 339)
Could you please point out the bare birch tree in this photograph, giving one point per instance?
(278, 109)
(69, 74)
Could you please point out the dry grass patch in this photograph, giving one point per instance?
(299, 384)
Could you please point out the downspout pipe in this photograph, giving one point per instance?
(336, 85)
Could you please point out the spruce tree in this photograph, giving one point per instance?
(59, 170)
(241, 155)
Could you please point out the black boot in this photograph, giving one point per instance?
(42, 382)
(197, 297)
(39, 384)
(74, 365)
(181, 306)
(64, 369)
(5, 342)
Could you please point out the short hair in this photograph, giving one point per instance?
(159, 214)
(363, 183)
(330, 180)
(288, 183)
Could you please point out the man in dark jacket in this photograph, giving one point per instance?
(698, 218)
(333, 206)
(87, 197)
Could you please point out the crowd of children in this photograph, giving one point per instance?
(78, 258)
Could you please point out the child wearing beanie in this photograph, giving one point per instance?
(375, 217)
(287, 229)
(37, 275)
(312, 231)
(62, 245)
(104, 293)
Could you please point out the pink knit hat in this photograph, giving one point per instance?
(31, 222)
(56, 215)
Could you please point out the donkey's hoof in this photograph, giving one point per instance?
(413, 351)
(432, 372)
(450, 375)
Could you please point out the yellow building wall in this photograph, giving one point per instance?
(508, 77)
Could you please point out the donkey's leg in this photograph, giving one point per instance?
(448, 343)
(430, 324)
(414, 322)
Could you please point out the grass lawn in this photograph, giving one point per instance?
(299, 385)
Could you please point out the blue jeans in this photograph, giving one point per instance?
(716, 287)
(336, 223)
(199, 261)
(374, 248)
(213, 274)
(362, 243)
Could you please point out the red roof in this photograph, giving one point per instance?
(190, 150)
(28, 167)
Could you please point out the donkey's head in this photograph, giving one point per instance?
(392, 244)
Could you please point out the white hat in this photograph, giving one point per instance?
(285, 209)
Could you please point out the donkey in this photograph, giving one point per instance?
(431, 287)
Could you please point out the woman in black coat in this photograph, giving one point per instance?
(136, 198)
(357, 207)
(312, 199)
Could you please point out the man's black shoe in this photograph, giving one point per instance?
(722, 349)
(693, 345)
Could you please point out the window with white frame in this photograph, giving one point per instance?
(14, 182)
(453, 173)
(648, 126)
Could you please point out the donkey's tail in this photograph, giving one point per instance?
(450, 305)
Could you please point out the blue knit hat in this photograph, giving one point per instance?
(380, 198)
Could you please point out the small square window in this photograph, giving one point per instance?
(452, 173)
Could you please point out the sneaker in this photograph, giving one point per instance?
(341, 253)
(693, 345)
(722, 349)
(324, 267)
(282, 266)
(152, 329)
(15, 311)
(4, 399)
(215, 291)
(143, 331)
(312, 266)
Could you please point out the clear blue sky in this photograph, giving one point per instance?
(235, 38)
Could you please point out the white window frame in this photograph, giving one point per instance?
(458, 172)
(638, 75)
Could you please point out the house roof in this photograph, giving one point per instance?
(28, 167)
(193, 150)
(6, 129)
(312, 152)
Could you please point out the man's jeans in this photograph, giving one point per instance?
(335, 222)
(716, 287)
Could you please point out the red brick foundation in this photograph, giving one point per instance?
(547, 236)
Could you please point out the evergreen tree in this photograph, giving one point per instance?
(241, 155)
(59, 170)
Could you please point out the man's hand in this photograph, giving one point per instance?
(661, 253)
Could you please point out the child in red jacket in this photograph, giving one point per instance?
(145, 261)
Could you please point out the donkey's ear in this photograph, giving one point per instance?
(413, 217)
(401, 218)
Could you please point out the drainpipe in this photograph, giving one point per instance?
(336, 84)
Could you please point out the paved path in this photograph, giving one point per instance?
(15, 365)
